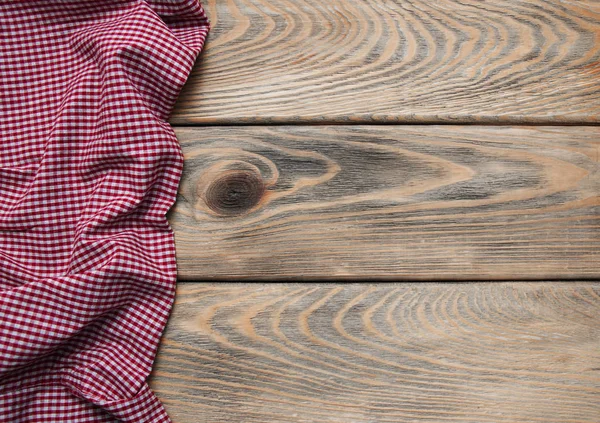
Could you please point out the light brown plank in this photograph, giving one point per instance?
(393, 353)
(399, 202)
(397, 61)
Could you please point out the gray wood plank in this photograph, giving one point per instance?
(393, 353)
(389, 202)
(535, 61)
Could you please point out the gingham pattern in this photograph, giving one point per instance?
(88, 169)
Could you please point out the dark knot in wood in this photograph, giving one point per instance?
(234, 193)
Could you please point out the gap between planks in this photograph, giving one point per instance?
(237, 123)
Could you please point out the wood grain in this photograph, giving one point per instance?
(389, 202)
(298, 353)
(459, 61)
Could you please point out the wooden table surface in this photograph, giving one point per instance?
(340, 153)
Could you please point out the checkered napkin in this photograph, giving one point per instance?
(88, 169)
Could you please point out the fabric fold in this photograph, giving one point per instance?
(89, 169)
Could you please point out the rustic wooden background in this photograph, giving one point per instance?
(375, 144)
(486, 352)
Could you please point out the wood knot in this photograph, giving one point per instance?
(234, 193)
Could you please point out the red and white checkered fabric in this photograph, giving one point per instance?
(88, 169)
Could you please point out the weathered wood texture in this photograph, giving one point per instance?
(397, 61)
(403, 202)
(299, 353)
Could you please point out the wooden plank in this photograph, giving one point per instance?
(397, 61)
(297, 353)
(399, 202)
